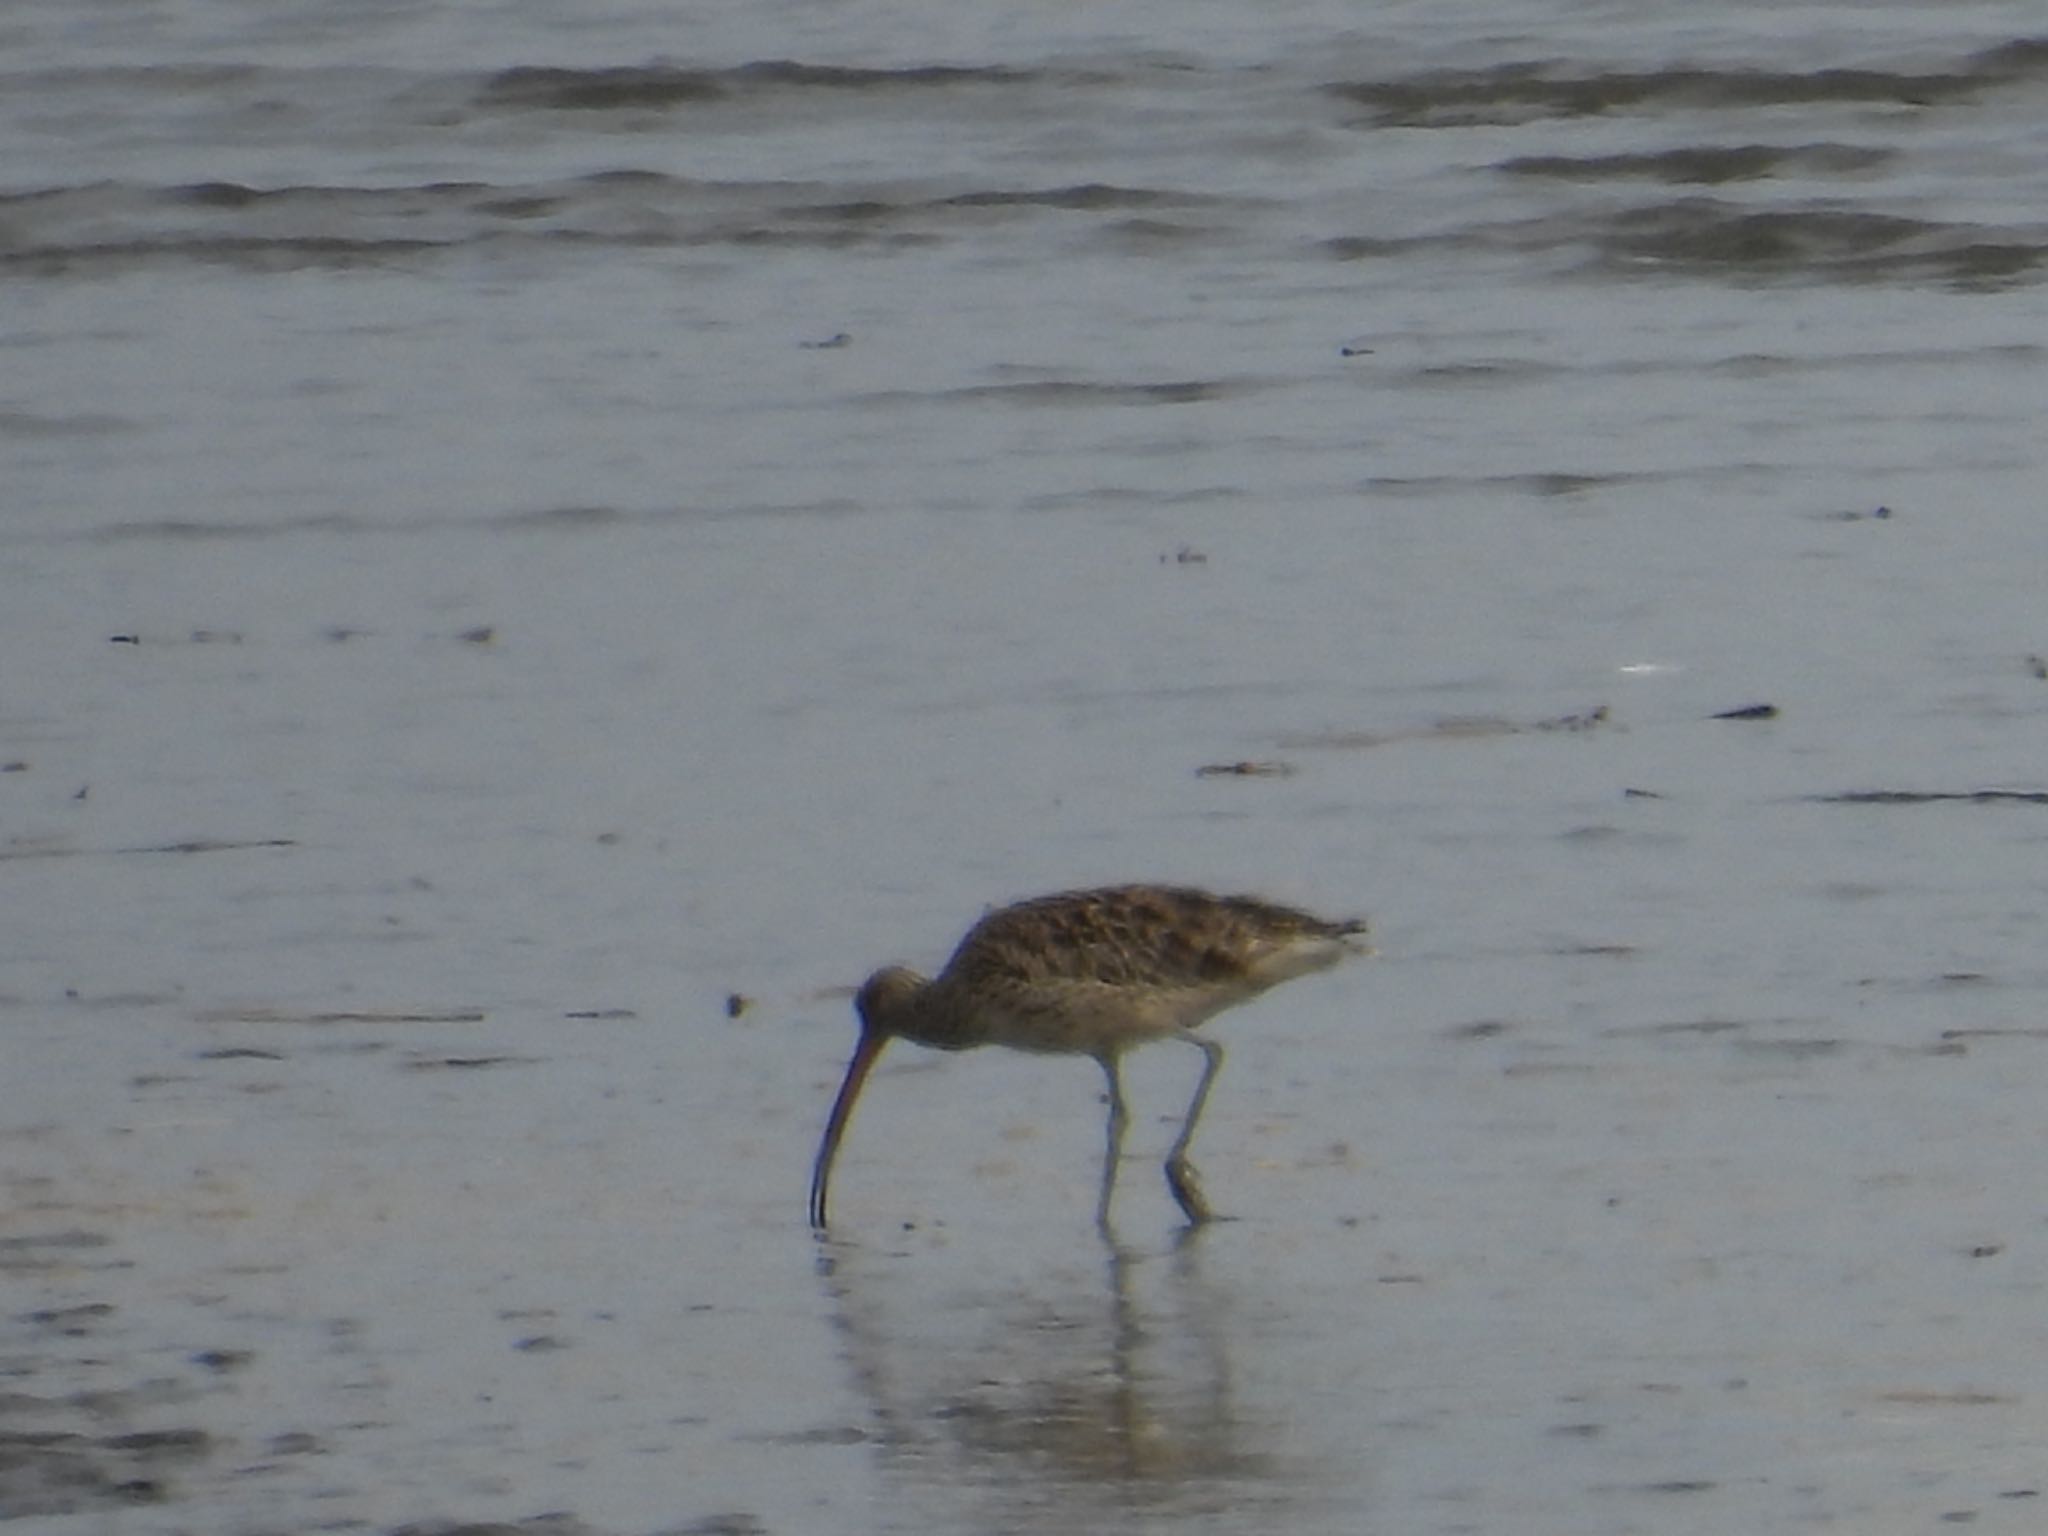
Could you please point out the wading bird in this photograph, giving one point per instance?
(1093, 973)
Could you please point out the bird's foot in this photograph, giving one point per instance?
(1187, 1191)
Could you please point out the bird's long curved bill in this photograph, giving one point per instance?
(864, 1055)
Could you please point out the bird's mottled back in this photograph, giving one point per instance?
(1144, 936)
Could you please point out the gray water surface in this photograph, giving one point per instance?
(519, 525)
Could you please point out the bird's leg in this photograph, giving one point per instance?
(1112, 1154)
(1180, 1173)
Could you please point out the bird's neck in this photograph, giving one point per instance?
(935, 1015)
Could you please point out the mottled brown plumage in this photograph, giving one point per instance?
(1093, 973)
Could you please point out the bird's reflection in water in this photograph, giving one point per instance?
(1053, 1384)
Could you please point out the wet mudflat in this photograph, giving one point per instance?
(1666, 1169)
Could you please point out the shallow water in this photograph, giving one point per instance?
(518, 529)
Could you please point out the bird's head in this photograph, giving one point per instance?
(884, 1003)
(883, 997)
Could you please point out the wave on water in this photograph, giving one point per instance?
(1707, 164)
(638, 87)
(1702, 236)
(1522, 91)
(1707, 238)
(1838, 195)
(108, 228)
